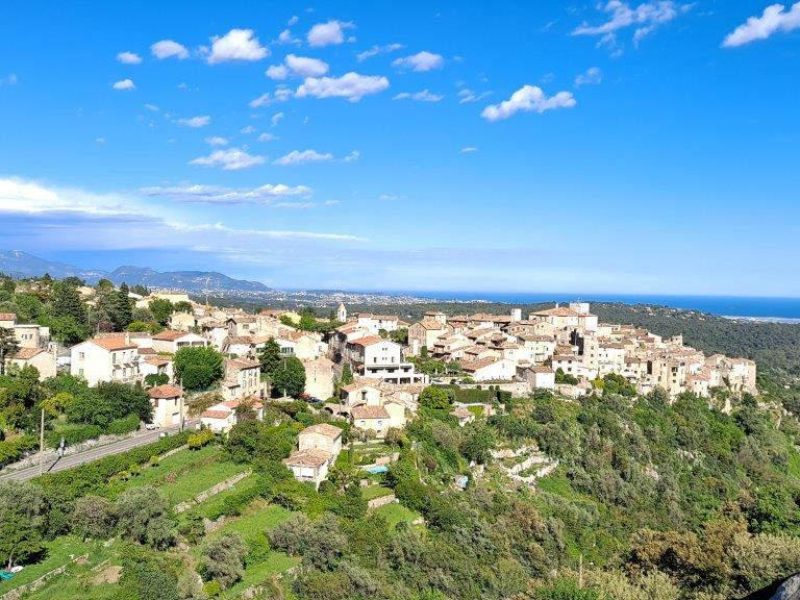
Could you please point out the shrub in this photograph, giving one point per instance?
(72, 434)
(14, 450)
(200, 439)
(124, 425)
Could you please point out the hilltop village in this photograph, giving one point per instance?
(370, 369)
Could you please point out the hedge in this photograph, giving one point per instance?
(123, 425)
(69, 484)
(73, 433)
(13, 450)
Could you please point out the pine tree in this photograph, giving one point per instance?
(270, 357)
(121, 310)
(347, 375)
(9, 346)
(67, 303)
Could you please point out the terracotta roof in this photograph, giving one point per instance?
(112, 343)
(144, 351)
(369, 340)
(312, 457)
(240, 363)
(431, 324)
(216, 413)
(326, 429)
(542, 369)
(165, 391)
(8, 317)
(27, 353)
(251, 401)
(559, 311)
(474, 365)
(355, 386)
(157, 361)
(169, 335)
(369, 412)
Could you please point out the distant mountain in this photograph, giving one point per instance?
(21, 264)
(192, 281)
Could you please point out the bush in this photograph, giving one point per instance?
(124, 425)
(72, 434)
(13, 450)
(212, 588)
(200, 439)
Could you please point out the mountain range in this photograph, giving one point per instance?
(21, 264)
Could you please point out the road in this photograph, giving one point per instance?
(140, 438)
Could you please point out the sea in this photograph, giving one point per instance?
(743, 307)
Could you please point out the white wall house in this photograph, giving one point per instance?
(172, 341)
(112, 358)
(167, 403)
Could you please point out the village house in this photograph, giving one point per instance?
(43, 360)
(221, 417)
(169, 341)
(242, 379)
(107, 358)
(318, 447)
(377, 358)
(319, 377)
(167, 403)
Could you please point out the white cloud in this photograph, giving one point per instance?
(32, 198)
(293, 20)
(195, 122)
(100, 140)
(299, 157)
(286, 37)
(129, 58)
(529, 98)
(305, 66)
(774, 19)
(151, 107)
(388, 197)
(10, 79)
(217, 140)
(466, 96)
(266, 137)
(592, 76)
(328, 34)
(353, 156)
(237, 44)
(421, 61)
(643, 18)
(302, 66)
(247, 130)
(210, 194)
(262, 100)
(276, 118)
(278, 72)
(468, 150)
(229, 159)
(124, 84)
(169, 49)
(423, 96)
(350, 85)
(376, 50)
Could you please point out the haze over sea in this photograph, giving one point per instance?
(784, 309)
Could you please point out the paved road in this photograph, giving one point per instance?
(140, 438)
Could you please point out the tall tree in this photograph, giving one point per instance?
(270, 357)
(121, 308)
(196, 368)
(347, 374)
(9, 346)
(67, 303)
(290, 377)
(162, 310)
(21, 521)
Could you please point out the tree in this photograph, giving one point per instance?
(347, 374)
(270, 357)
(224, 559)
(121, 308)
(162, 309)
(154, 379)
(93, 518)
(434, 398)
(143, 517)
(67, 303)
(9, 346)
(22, 516)
(290, 377)
(124, 399)
(479, 441)
(198, 367)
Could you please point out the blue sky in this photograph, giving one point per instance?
(642, 147)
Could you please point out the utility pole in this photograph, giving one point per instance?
(41, 444)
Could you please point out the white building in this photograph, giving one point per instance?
(167, 403)
(318, 447)
(112, 358)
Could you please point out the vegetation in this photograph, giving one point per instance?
(198, 367)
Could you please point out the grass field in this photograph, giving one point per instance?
(183, 475)
(395, 513)
(374, 491)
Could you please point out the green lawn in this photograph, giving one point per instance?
(183, 475)
(60, 552)
(395, 513)
(211, 508)
(258, 518)
(276, 562)
(375, 491)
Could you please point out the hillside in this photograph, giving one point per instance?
(23, 265)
